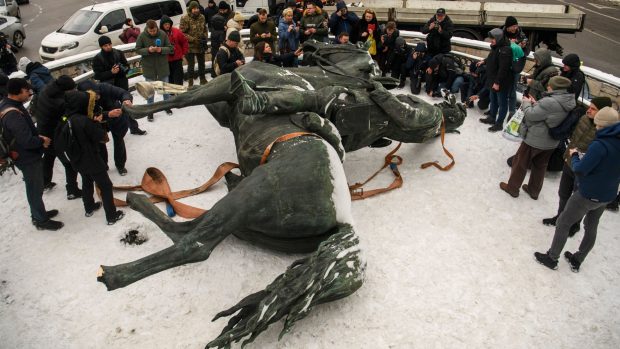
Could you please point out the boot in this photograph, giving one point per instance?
(613, 206)
(402, 83)
(190, 81)
(116, 216)
(495, 128)
(574, 263)
(550, 221)
(504, 186)
(48, 225)
(546, 260)
(203, 80)
(488, 120)
(380, 143)
(73, 193)
(527, 190)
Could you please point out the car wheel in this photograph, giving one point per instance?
(18, 39)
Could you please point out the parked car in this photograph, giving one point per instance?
(13, 29)
(82, 30)
(9, 8)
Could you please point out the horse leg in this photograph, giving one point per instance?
(217, 90)
(334, 271)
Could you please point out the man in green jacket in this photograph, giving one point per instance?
(582, 136)
(263, 30)
(195, 30)
(154, 47)
(314, 24)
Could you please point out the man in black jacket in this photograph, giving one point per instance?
(439, 31)
(49, 112)
(210, 11)
(499, 78)
(89, 163)
(571, 70)
(110, 66)
(218, 33)
(229, 57)
(110, 99)
(443, 72)
(18, 126)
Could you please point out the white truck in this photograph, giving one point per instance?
(472, 19)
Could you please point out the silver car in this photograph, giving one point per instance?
(9, 8)
(13, 29)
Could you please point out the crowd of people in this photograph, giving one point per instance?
(588, 152)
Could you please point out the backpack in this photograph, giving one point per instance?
(567, 126)
(66, 145)
(216, 67)
(7, 156)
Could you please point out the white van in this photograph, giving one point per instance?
(81, 32)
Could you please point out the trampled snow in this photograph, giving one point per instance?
(449, 259)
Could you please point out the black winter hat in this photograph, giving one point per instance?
(65, 82)
(572, 60)
(223, 5)
(510, 21)
(104, 40)
(89, 85)
(601, 102)
(420, 47)
(234, 36)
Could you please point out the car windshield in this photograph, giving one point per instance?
(80, 22)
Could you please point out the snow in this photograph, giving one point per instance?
(449, 259)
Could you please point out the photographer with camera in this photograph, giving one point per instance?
(8, 62)
(343, 21)
(194, 27)
(439, 31)
(110, 66)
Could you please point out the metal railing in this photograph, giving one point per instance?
(598, 83)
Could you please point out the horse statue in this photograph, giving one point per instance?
(292, 194)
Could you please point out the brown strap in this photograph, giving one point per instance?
(443, 138)
(391, 160)
(283, 138)
(7, 110)
(155, 183)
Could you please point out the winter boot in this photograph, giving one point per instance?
(504, 186)
(402, 83)
(116, 216)
(49, 214)
(495, 128)
(527, 190)
(190, 81)
(550, 221)
(546, 260)
(488, 120)
(91, 210)
(48, 225)
(613, 206)
(574, 263)
(203, 80)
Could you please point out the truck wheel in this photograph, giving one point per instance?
(467, 34)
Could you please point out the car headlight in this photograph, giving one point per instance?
(70, 46)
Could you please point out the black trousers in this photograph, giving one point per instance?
(49, 156)
(133, 125)
(120, 152)
(105, 186)
(176, 71)
(191, 59)
(567, 186)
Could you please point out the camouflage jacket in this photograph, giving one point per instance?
(195, 31)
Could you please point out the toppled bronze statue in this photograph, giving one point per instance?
(292, 194)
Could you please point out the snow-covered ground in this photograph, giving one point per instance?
(449, 257)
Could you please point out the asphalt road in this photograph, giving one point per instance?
(598, 45)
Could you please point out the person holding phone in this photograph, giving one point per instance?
(154, 47)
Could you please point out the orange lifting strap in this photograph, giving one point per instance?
(155, 183)
(391, 160)
(443, 138)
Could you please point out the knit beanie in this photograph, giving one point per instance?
(606, 117)
(601, 102)
(496, 34)
(65, 82)
(420, 47)
(340, 5)
(510, 21)
(192, 5)
(234, 36)
(572, 60)
(104, 40)
(223, 5)
(559, 83)
(23, 64)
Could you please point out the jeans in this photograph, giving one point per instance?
(499, 103)
(512, 96)
(576, 208)
(152, 99)
(456, 84)
(33, 177)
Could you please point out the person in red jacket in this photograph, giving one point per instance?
(181, 47)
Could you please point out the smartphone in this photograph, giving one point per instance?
(157, 42)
